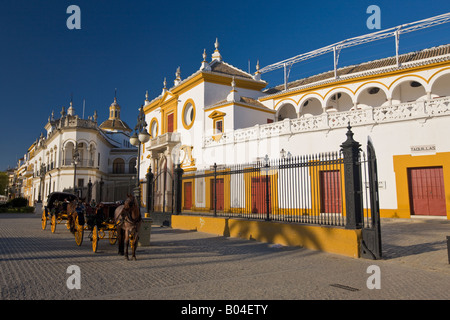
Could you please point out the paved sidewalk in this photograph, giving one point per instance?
(419, 242)
(187, 265)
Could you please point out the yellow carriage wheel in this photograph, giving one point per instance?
(79, 233)
(53, 223)
(94, 238)
(133, 241)
(112, 236)
(44, 220)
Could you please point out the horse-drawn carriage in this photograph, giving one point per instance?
(57, 210)
(118, 220)
(99, 221)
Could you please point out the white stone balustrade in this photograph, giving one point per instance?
(326, 121)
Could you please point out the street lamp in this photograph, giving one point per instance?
(76, 159)
(42, 176)
(139, 136)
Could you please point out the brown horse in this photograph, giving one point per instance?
(128, 220)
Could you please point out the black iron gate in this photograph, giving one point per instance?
(160, 196)
(371, 230)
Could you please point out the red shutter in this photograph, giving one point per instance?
(426, 190)
(330, 191)
(188, 195)
(219, 194)
(259, 195)
(170, 122)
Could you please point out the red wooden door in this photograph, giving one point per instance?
(219, 194)
(426, 190)
(259, 191)
(170, 122)
(330, 191)
(187, 195)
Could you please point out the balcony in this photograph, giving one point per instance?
(164, 141)
(81, 163)
(326, 121)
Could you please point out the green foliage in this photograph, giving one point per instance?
(18, 202)
(3, 182)
(17, 210)
(17, 205)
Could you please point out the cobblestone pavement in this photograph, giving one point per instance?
(188, 265)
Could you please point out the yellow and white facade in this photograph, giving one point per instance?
(224, 115)
(105, 156)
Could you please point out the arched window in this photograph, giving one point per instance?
(188, 115)
(154, 128)
(119, 166)
(132, 166)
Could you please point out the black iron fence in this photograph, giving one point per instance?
(333, 189)
(102, 191)
(304, 189)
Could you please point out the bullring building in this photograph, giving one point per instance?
(226, 116)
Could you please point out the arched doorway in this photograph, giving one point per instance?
(371, 97)
(408, 91)
(286, 111)
(311, 107)
(339, 102)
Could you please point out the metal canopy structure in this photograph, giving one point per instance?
(337, 47)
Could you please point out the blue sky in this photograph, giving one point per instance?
(133, 45)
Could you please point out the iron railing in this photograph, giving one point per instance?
(303, 189)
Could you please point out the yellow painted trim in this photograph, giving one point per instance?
(154, 119)
(217, 79)
(164, 115)
(354, 80)
(243, 106)
(153, 105)
(439, 71)
(240, 83)
(328, 239)
(286, 101)
(337, 91)
(368, 82)
(200, 78)
(217, 114)
(192, 181)
(314, 174)
(186, 126)
(405, 76)
(401, 165)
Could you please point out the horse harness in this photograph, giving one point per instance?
(128, 218)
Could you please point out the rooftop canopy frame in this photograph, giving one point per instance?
(337, 47)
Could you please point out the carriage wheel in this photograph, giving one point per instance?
(53, 223)
(112, 236)
(133, 241)
(94, 238)
(44, 220)
(79, 233)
